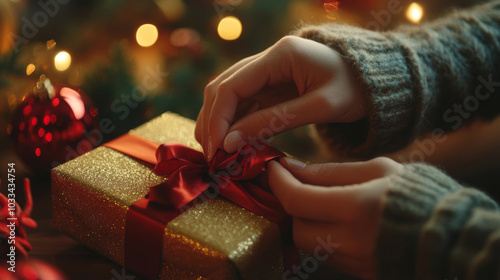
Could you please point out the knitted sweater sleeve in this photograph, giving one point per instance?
(434, 228)
(440, 74)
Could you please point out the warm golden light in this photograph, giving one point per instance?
(51, 44)
(415, 12)
(30, 69)
(62, 61)
(229, 28)
(146, 35)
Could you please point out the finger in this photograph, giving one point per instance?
(202, 131)
(312, 107)
(265, 123)
(246, 107)
(331, 204)
(340, 174)
(244, 83)
(310, 202)
(235, 67)
(199, 125)
(267, 97)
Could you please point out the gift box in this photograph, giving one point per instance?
(214, 238)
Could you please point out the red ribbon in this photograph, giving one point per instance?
(238, 177)
(230, 175)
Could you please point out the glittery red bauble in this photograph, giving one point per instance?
(53, 125)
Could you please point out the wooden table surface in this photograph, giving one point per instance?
(74, 260)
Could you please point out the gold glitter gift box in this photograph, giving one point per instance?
(216, 239)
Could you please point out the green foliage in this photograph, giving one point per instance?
(8, 67)
(111, 87)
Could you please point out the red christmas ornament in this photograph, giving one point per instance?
(31, 269)
(53, 125)
(13, 220)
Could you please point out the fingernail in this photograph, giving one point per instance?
(293, 163)
(232, 141)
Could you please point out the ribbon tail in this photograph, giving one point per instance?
(135, 146)
(144, 233)
(255, 200)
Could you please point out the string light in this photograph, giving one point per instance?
(229, 28)
(415, 12)
(30, 69)
(62, 61)
(51, 44)
(331, 7)
(146, 35)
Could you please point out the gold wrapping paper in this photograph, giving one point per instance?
(215, 239)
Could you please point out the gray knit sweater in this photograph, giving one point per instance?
(440, 74)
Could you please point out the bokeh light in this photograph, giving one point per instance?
(331, 7)
(73, 99)
(51, 44)
(62, 61)
(184, 37)
(415, 12)
(146, 35)
(30, 69)
(229, 28)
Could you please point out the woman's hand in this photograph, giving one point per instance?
(296, 82)
(338, 202)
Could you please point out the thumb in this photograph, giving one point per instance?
(265, 123)
(340, 174)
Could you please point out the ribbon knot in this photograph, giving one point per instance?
(240, 177)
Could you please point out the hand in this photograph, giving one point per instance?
(300, 81)
(337, 203)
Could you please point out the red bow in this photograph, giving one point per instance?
(233, 176)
